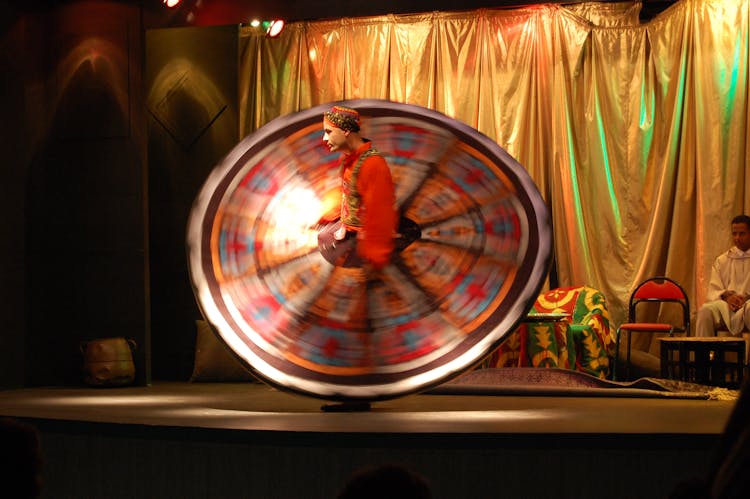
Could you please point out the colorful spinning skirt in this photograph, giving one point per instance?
(472, 251)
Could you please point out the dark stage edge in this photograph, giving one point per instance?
(248, 440)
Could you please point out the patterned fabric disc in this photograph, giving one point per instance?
(472, 253)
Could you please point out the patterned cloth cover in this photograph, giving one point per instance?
(583, 342)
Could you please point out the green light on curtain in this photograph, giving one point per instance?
(576, 206)
(648, 103)
(608, 169)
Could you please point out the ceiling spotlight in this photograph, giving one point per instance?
(273, 28)
(170, 3)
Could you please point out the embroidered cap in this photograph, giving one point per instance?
(343, 118)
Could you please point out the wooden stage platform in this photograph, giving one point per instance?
(230, 440)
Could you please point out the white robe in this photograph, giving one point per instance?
(730, 272)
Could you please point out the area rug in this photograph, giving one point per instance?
(565, 382)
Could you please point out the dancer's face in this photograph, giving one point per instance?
(334, 137)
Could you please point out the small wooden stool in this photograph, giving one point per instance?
(704, 360)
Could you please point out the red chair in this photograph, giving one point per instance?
(653, 290)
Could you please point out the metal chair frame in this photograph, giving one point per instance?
(657, 289)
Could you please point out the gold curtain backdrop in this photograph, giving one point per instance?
(634, 133)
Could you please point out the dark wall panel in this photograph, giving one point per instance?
(86, 274)
(191, 89)
(16, 63)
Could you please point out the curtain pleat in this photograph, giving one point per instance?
(412, 63)
(635, 134)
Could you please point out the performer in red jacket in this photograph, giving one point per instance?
(368, 197)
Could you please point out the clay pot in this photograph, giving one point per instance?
(108, 361)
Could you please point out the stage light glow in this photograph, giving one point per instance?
(473, 417)
(273, 28)
(171, 3)
(131, 399)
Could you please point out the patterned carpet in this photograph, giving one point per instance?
(561, 382)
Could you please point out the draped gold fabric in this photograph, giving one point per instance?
(636, 134)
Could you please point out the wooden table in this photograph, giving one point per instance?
(715, 361)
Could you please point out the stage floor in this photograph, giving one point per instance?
(250, 406)
(237, 440)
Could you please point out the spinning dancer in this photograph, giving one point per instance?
(367, 204)
(367, 210)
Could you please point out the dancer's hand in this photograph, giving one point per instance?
(340, 233)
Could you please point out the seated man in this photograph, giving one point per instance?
(729, 289)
